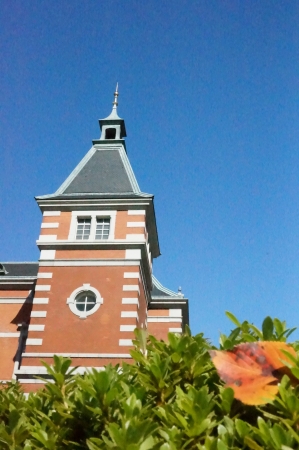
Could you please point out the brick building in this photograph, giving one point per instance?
(93, 283)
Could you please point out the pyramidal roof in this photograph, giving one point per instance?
(105, 171)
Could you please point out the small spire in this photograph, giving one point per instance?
(115, 102)
(180, 291)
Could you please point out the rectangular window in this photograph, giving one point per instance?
(102, 228)
(83, 228)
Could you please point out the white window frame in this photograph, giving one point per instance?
(93, 215)
(71, 301)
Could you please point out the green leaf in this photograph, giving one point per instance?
(268, 328)
(227, 399)
(252, 444)
(242, 428)
(233, 318)
(148, 443)
(221, 445)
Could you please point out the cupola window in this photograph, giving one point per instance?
(110, 133)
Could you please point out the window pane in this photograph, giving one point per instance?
(103, 228)
(85, 301)
(83, 228)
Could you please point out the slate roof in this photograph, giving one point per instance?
(104, 172)
(161, 291)
(163, 298)
(20, 269)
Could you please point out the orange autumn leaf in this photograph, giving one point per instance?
(253, 369)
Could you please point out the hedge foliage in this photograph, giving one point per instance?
(171, 398)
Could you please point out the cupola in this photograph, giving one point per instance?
(113, 127)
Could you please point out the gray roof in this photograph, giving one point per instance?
(104, 171)
(20, 269)
(160, 291)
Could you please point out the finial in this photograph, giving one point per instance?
(115, 102)
(180, 291)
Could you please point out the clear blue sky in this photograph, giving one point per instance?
(209, 91)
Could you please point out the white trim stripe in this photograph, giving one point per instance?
(34, 342)
(175, 313)
(126, 342)
(130, 301)
(51, 213)
(136, 212)
(40, 301)
(11, 301)
(43, 287)
(47, 254)
(175, 330)
(44, 275)
(76, 355)
(50, 225)
(38, 314)
(131, 287)
(135, 224)
(36, 327)
(164, 319)
(127, 327)
(129, 314)
(87, 263)
(30, 381)
(131, 275)
(9, 335)
(39, 370)
(135, 237)
(47, 237)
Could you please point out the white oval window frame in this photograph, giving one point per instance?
(71, 301)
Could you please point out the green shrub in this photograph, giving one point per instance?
(171, 398)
